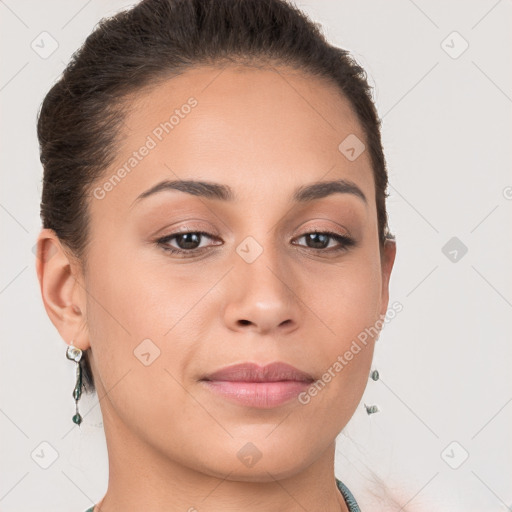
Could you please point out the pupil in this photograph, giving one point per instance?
(188, 244)
(319, 236)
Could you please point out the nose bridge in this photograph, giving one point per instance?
(263, 268)
(263, 294)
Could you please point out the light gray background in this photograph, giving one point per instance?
(445, 360)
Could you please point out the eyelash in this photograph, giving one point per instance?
(344, 241)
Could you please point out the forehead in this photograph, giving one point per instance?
(246, 126)
(246, 102)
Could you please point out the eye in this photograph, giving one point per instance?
(188, 242)
(319, 240)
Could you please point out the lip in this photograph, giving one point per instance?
(263, 387)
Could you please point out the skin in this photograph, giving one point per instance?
(263, 132)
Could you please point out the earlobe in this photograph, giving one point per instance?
(63, 296)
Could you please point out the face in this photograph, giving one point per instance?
(189, 279)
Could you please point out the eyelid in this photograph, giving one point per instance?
(324, 229)
(189, 227)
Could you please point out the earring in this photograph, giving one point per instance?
(75, 354)
(371, 409)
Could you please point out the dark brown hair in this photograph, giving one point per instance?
(81, 117)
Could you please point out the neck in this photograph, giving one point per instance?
(143, 478)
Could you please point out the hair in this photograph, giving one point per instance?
(81, 117)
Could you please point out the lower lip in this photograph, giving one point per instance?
(262, 395)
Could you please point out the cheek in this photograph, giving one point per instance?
(349, 298)
(133, 296)
(348, 302)
(139, 317)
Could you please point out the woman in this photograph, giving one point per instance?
(214, 243)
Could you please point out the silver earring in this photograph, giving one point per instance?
(371, 409)
(75, 354)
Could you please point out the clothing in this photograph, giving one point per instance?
(347, 495)
(349, 498)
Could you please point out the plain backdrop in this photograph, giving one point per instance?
(442, 81)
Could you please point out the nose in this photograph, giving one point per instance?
(262, 297)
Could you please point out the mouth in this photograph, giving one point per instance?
(251, 372)
(263, 387)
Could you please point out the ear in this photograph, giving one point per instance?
(63, 294)
(387, 256)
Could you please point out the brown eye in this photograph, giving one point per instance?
(319, 240)
(188, 242)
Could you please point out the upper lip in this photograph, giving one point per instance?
(252, 372)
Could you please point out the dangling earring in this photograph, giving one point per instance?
(75, 354)
(371, 409)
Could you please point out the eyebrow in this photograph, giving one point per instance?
(210, 190)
